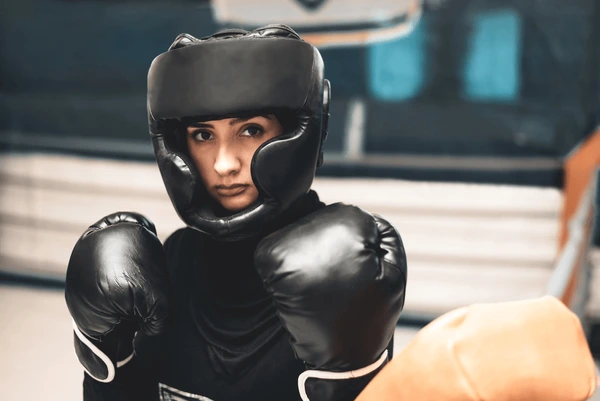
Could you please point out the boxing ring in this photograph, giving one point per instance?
(465, 243)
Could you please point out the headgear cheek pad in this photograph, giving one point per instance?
(233, 73)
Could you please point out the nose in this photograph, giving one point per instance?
(227, 161)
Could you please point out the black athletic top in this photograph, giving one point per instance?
(224, 341)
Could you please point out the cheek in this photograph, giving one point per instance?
(201, 159)
(248, 155)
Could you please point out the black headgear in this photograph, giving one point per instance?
(235, 72)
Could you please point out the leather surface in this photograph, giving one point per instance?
(116, 283)
(338, 280)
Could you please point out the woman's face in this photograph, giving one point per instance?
(222, 151)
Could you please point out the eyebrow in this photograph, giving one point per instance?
(232, 122)
(238, 120)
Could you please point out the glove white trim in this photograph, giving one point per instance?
(124, 361)
(109, 364)
(168, 393)
(319, 374)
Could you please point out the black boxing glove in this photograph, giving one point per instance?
(116, 285)
(338, 280)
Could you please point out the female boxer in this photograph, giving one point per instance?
(267, 294)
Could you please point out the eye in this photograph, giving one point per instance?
(201, 136)
(252, 131)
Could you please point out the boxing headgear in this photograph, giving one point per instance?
(232, 73)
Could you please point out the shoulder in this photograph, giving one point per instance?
(174, 238)
(181, 253)
(309, 204)
(182, 241)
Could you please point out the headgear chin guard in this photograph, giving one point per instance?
(230, 73)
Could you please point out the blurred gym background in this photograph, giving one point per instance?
(470, 124)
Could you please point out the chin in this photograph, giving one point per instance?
(236, 205)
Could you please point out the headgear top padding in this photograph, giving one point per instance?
(230, 73)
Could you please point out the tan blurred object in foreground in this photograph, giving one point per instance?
(533, 350)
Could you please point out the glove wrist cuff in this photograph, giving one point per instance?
(96, 363)
(326, 375)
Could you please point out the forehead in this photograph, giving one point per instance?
(230, 121)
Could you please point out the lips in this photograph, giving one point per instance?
(231, 190)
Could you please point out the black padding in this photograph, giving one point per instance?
(232, 73)
(95, 366)
(230, 76)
